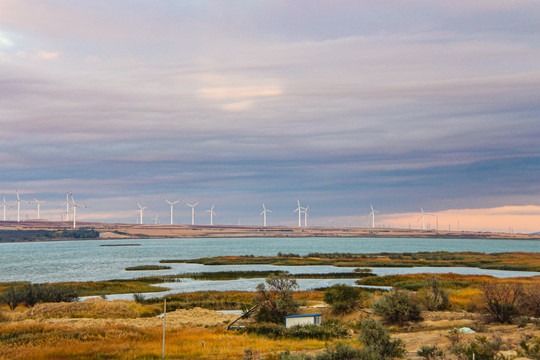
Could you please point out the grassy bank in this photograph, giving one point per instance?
(516, 261)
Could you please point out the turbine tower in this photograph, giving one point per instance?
(306, 210)
(18, 206)
(299, 209)
(372, 214)
(172, 204)
(141, 209)
(38, 202)
(212, 213)
(74, 206)
(423, 219)
(4, 204)
(67, 203)
(192, 206)
(263, 213)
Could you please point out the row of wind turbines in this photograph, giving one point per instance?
(72, 205)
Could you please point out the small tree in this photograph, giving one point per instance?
(276, 301)
(397, 308)
(433, 296)
(502, 300)
(344, 298)
(12, 297)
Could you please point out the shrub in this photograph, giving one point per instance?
(430, 352)
(376, 340)
(529, 302)
(276, 301)
(530, 350)
(139, 298)
(396, 307)
(433, 296)
(287, 355)
(329, 330)
(32, 294)
(501, 300)
(344, 298)
(480, 348)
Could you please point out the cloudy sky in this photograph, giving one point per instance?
(399, 103)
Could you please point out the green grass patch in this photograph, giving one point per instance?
(147, 267)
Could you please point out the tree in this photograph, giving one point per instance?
(276, 301)
(343, 298)
(397, 308)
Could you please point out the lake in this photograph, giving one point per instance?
(87, 260)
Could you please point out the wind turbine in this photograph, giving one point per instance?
(212, 213)
(172, 204)
(74, 205)
(299, 210)
(4, 204)
(67, 203)
(18, 206)
(141, 209)
(306, 210)
(423, 219)
(38, 202)
(156, 221)
(263, 213)
(372, 214)
(193, 211)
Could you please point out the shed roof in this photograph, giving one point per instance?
(297, 316)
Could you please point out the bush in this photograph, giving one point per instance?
(501, 300)
(32, 294)
(432, 296)
(430, 352)
(530, 350)
(396, 307)
(344, 298)
(327, 331)
(138, 298)
(376, 340)
(480, 348)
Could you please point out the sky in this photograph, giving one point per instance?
(431, 104)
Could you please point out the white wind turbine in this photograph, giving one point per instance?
(141, 210)
(18, 206)
(172, 204)
(423, 219)
(192, 206)
(263, 213)
(156, 220)
(38, 202)
(372, 214)
(4, 205)
(306, 210)
(67, 203)
(299, 209)
(212, 213)
(74, 206)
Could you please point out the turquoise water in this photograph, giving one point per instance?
(87, 260)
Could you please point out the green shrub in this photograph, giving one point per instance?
(344, 298)
(139, 298)
(32, 294)
(433, 296)
(502, 300)
(376, 340)
(329, 330)
(531, 349)
(396, 307)
(480, 348)
(276, 300)
(430, 352)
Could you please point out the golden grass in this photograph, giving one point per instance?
(46, 341)
(93, 308)
(469, 299)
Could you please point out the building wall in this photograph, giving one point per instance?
(308, 320)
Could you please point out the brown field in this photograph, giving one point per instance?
(110, 231)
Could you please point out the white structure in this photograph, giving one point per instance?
(67, 203)
(372, 214)
(301, 210)
(156, 220)
(172, 204)
(212, 214)
(423, 219)
(263, 213)
(4, 204)
(192, 206)
(300, 320)
(74, 206)
(306, 210)
(38, 202)
(18, 206)
(141, 209)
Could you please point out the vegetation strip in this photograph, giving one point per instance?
(514, 261)
(147, 267)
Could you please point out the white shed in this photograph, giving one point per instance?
(311, 319)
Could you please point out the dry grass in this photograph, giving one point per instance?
(47, 341)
